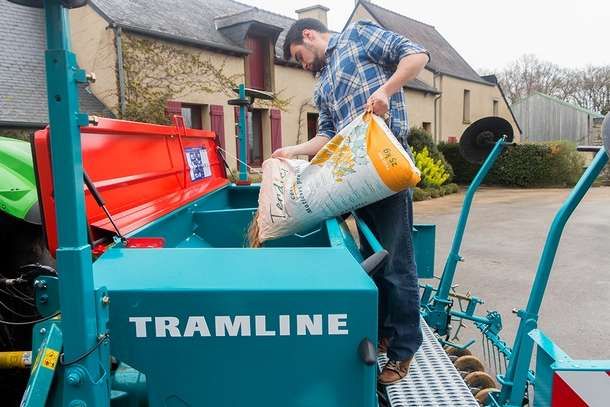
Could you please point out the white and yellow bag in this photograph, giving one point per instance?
(362, 164)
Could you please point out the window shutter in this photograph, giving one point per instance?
(172, 108)
(256, 61)
(276, 129)
(217, 123)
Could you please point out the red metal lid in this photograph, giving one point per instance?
(143, 171)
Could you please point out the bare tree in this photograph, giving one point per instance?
(587, 87)
(528, 74)
(591, 88)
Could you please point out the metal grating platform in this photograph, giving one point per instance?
(432, 379)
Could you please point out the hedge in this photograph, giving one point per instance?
(524, 165)
(423, 194)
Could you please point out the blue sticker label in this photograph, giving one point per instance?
(199, 163)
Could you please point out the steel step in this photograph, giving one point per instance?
(432, 379)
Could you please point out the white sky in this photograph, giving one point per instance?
(490, 34)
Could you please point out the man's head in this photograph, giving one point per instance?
(306, 41)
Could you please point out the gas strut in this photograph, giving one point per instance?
(101, 203)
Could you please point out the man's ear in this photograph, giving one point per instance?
(308, 34)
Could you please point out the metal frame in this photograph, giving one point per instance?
(517, 374)
(88, 384)
(438, 312)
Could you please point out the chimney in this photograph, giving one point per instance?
(318, 12)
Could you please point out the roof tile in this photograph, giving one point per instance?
(23, 94)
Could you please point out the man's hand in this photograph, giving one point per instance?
(284, 152)
(378, 102)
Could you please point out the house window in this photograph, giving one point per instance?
(312, 125)
(255, 138)
(258, 63)
(495, 108)
(427, 126)
(192, 116)
(466, 107)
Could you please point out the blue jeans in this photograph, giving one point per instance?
(391, 220)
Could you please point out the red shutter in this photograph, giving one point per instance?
(172, 108)
(256, 61)
(276, 129)
(217, 123)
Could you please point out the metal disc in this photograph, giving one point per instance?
(606, 133)
(479, 138)
(469, 363)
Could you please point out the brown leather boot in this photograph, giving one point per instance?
(394, 371)
(383, 346)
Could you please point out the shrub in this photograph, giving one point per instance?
(419, 139)
(420, 194)
(423, 194)
(463, 171)
(434, 192)
(433, 172)
(451, 188)
(524, 165)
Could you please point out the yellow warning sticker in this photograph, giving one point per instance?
(50, 359)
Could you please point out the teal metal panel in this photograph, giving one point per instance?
(424, 243)
(255, 367)
(226, 268)
(46, 362)
(545, 356)
(129, 387)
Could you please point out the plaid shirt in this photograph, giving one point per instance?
(359, 61)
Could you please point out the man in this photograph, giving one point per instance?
(365, 68)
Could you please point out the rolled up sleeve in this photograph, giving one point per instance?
(326, 126)
(386, 47)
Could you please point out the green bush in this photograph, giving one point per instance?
(463, 171)
(448, 189)
(524, 165)
(419, 139)
(451, 188)
(423, 194)
(420, 194)
(433, 172)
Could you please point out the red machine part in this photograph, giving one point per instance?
(581, 388)
(143, 171)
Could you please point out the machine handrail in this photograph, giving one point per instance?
(517, 371)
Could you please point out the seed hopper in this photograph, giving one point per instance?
(157, 300)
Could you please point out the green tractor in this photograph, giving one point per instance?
(23, 254)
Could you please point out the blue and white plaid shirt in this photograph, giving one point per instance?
(358, 61)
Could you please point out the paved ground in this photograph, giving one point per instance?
(502, 245)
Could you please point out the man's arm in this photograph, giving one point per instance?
(388, 48)
(408, 68)
(310, 147)
(326, 130)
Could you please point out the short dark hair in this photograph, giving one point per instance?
(295, 33)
